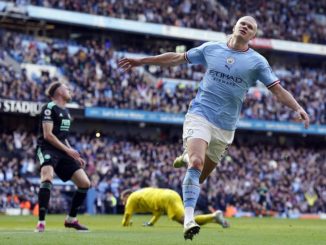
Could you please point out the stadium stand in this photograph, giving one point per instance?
(287, 20)
(92, 70)
(289, 183)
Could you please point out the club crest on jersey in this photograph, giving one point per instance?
(47, 112)
(230, 60)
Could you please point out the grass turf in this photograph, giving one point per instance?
(107, 229)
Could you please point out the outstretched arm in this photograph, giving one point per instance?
(167, 59)
(126, 221)
(287, 99)
(129, 210)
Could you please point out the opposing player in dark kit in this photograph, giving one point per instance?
(57, 156)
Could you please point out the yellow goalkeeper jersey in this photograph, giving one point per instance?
(153, 200)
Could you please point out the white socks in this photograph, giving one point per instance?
(189, 214)
(70, 219)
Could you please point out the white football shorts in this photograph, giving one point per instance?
(217, 139)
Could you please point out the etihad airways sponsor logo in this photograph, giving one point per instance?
(225, 78)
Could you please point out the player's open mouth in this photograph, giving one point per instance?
(243, 32)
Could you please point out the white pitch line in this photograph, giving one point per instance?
(15, 231)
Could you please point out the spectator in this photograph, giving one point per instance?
(287, 20)
(292, 176)
(92, 71)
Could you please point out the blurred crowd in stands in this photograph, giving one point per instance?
(17, 164)
(91, 68)
(302, 21)
(263, 179)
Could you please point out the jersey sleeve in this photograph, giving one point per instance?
(196, 55)
(47, 114)
(266, 75)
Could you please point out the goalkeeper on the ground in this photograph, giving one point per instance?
(162, 201)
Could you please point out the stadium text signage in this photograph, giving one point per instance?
(134, 115)
(25, 107)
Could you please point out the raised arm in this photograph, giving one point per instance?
(166, 59)
(287, 99)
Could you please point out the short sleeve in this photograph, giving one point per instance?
(47, 115)
(266, 75)
(196, 55)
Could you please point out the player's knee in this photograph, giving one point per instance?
(46, 174)
(88, 184)
(196, 162)
(85, 184)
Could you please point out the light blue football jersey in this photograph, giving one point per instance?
(229, 75)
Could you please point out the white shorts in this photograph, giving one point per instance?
(197, 127)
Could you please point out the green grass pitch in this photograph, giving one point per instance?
(107, 229)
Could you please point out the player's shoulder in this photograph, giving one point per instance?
(213, 44)
(152, 191)
(49, 108)
(49, 105)
(170, 192)
(210, 47)
(258, 58)
(149, 189)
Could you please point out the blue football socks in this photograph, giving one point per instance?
(191, 187)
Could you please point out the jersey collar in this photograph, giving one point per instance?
(242, 51)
